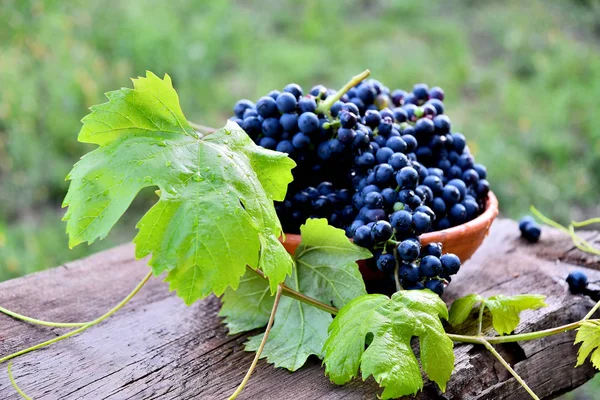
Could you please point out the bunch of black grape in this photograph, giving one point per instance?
(383, 165)
(324, 201)
(290, 123)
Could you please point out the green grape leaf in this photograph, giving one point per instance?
(215, 214)
(461, 308)
(248, 307)
(506, 310)
(389, 357)
(326, 270)
(589, 337)
(326, 262)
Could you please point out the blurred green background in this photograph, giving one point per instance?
(522, 82)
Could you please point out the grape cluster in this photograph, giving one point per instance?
(385, 166)
(530, 230)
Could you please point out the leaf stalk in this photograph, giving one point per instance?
(325, 106)
(289, 292)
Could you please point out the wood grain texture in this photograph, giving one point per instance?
(157, 348)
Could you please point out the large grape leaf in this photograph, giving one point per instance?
(589, 337)
(326, 270)
(387, 326)
(215, 214)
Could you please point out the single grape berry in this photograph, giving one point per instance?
(408, 250)
(421, 91)
(294, 89)
(300, 140)
(524, 221)
(450, 263)
(289, 122)
(347, 119)
(346, 135)
(241, 106)
(457, 214)
(436, 92)
(384, 154)
(408, 273)
(268, 143)
(407, 177)
(307, 104)
(285, 146)
(401, 221)
(286, 103)
(398, 161)
(577, 281)
(430, 266)
(424, 126)
(386, 263)
(432, 249)
(308, 123)
(372, 118)
(389, 197)
(382, 231)
(384, 173)
(436, 286)
(267, 107)
(451, 195)
(421, 222)
(396, 144)
(374, 200)
(362, 236)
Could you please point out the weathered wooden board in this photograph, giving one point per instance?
(157, 348)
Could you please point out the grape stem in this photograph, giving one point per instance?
(289, 292)
(509, 368)
(325, 106)
(41, 322)
(84, 327)
(14, 383)
(262, 345)
(480, 318)
(578, 241)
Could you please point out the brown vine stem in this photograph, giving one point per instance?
(261, 347)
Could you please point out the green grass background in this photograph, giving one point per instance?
(522, 80)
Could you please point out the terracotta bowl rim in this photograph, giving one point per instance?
(482, 222)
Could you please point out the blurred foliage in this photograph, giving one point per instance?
(521, 78)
